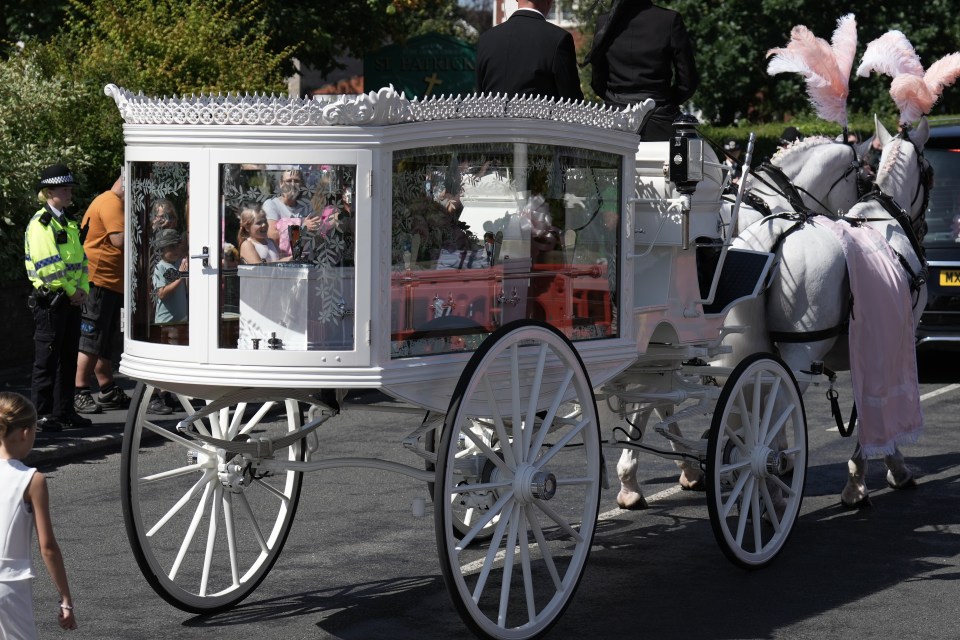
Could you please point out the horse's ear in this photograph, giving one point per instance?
(882, 134)
(921, 134)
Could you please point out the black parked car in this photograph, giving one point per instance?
(940, 325)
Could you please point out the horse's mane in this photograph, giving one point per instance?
(893, 153)
(797, 146)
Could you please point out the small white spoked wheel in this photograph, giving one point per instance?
(206, 525)
(756, 461)
(527, 390)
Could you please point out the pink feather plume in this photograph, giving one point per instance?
(824, 67)
(891, 54)
(915, 96)
(913, 91)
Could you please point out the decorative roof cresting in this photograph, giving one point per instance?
(382, 107)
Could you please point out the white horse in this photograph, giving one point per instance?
(810, 291)
(817, 174)
(834, 189)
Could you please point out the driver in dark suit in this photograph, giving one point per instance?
(643, 51)
(529, 56)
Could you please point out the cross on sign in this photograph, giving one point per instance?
(432, 80)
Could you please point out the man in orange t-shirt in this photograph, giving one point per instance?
(100, 345)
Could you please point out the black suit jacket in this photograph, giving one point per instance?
(643, 51)
(530, 56)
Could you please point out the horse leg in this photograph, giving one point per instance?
(691, 476)
(631, 495)
(855, 494)
(899, 475)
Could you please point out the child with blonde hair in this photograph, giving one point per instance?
(25, 504)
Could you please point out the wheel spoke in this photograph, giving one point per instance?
(525, 564)
(508, 560)
(170, 435)
(228, 525)
(534, 397)
(255, 420)
(488, 452)
(202, 483)
(489, 561)
(551, 413)
(737, 489)
(771, 397)
(498, 423)
(778, 426)
(757, 519)
(211, 539)
(746, 418)
(254, 525)
(257, 482)
(544, 548)
(744, 515)
(559, 520)
(515, 400)
(564, 441)
(494, 511)
(769, 506)
(191, 531)
(174, 473)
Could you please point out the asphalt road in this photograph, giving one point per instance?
(358, 565)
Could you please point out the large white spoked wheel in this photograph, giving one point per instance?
(205, 526)
(525, 389)
(756, 461)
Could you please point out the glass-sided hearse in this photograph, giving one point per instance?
(488, 264)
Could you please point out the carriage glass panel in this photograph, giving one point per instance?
(295, 289)
(159, 272)
(487, 233)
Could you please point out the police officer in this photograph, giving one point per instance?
(57, 268)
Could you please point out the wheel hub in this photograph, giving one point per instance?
(531, 484)
(234, 477)
(766, 462)
(777, 463)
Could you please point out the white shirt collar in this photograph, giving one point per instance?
(531, 10)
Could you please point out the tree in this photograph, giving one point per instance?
(32, 135)
(320, 33)
(733, 36)
(160, 47)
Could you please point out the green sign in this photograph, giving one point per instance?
(428, 65)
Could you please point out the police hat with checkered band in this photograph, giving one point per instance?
(57, 175)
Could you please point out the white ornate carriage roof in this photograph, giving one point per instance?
(382, 107)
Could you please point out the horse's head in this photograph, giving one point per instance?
(903, 173)
(826, 170)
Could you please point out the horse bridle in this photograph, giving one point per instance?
(792, 192)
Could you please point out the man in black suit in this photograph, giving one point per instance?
(643, 51)
(529, 56)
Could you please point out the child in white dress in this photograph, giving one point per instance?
(25, 504)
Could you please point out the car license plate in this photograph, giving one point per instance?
(950, 278)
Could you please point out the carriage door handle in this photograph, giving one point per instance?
(205, 255)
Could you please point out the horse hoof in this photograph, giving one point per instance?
(908, 483)
(857, 504)
(632, 501)
(695, 485)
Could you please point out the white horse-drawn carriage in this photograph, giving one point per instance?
(492, 266)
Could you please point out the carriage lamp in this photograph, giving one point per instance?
(686, 166)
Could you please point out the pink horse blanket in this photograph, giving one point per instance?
(883, 356)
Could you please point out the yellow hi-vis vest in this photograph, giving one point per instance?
(53, 253)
